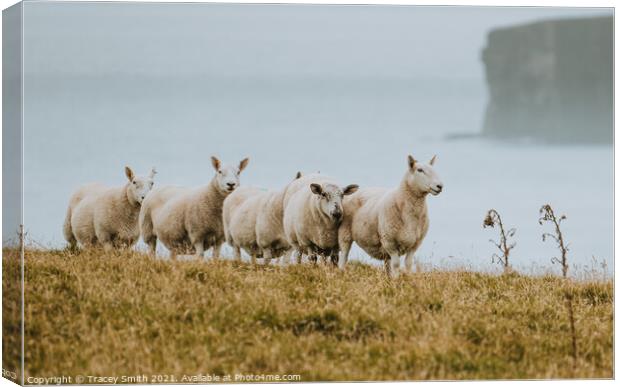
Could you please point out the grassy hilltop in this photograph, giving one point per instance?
(122, 313)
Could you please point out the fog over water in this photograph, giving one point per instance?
(347, 90)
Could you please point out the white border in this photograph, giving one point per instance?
(508, 3)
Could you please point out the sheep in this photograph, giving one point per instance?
(239, 215)
(100, 215)
(270, 236)
(252, 215)
(189, 218)
(312, 213)
(387, 224)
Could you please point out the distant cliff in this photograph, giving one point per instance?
(551, 80)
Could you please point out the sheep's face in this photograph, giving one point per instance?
(423, 178)
(139, 186)
(330, 198)
(227, 176)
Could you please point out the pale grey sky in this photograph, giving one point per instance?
(267, 40)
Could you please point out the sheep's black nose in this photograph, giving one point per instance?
(440, 186)
(142, 197)
(337, 214)
(230, 185)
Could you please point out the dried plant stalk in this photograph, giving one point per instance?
(493, 219)
(548, 215)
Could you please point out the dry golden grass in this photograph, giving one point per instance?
(125, 314)
(11, 314)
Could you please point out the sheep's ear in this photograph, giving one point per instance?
(216, 163)
(433, 160)
(298, 175)
(316, 188)
(129, 173)
(153, 173)
(243, 164)
(350, 189)
(411, 161)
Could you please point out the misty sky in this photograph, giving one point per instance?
(267, 40)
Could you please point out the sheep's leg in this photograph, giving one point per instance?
(217, 248)
(237, 253)
(74, 246)
(106, 241)
(345, 240)
(152, 247)
(108, 246)
(333, 257)
(267, 255)
(298, 255)
(313, 258)
(285, 259)
(344, 255)
(394, 265)
(104, 238)
(200, 249)
(253, 258)
(386, 266)
(409, 261)
(128, 244)
(173, 255)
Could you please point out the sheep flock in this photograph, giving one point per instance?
(313, 216)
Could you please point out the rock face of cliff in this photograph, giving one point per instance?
(551, 80)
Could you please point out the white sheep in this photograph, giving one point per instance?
(270, 236)
(312, 213)
(239, 216)
(389, 223)
(253, 222)
(100, 215)
(190, 219)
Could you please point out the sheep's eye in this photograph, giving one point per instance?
(220, 172)
(135, 183)
(420, 170)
